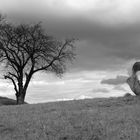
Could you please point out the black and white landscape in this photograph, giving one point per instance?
(38, 41)
(108, 45)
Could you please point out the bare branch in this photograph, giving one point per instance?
(13, 75)
(27, 49)
(10, 78)
(45, 67)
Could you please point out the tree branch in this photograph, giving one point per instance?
(13, 75)
(45, 67)
(15, 86)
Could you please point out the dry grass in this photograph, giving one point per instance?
(96, 119)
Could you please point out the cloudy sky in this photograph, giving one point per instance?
(109, 44)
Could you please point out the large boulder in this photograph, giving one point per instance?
(134, 84)
(136, 67)
(133, 80)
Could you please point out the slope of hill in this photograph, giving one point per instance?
(7, 101)
(90, 119)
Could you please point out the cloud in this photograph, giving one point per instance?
(115, 81)
(91, 10)
(83, 97)
(74, 85)
(119, 88)
(108, 31)
(102, 90)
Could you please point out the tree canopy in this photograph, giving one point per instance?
(26, 49)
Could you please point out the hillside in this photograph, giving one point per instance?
(90, 119)
(7, 101)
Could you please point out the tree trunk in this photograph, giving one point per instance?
(20, 100)
(22, 89)
(20, 97)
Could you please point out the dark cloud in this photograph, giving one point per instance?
(100, 46)
(115, 81)
(107, 39)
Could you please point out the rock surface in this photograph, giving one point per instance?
(133, 81)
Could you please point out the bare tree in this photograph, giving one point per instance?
(27, 49)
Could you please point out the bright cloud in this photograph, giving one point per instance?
(74, 85)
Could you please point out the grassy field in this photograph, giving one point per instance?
(90, 119)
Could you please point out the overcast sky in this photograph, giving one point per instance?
(109, 43)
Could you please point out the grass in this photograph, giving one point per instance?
(90, 119)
